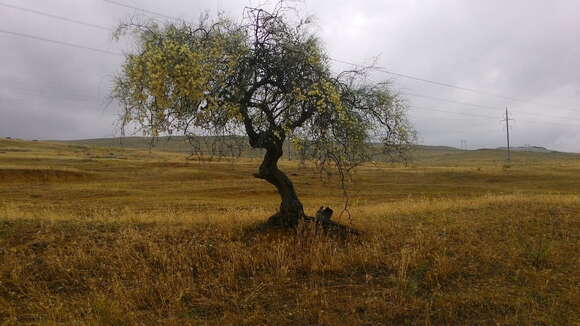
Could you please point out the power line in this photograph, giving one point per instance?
(483, 106)
(139, 9)
(490, 117)
(452, 112)
(37, 12)
(40, 94)
(450, 101)
(383, 69)
(73, 45)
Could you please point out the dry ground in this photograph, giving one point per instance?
(94, 236)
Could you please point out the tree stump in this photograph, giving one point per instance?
(323, 215)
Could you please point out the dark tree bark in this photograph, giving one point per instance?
(291, 209)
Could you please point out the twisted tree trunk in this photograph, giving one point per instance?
(291, 209)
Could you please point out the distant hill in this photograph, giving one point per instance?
(420, 154)
(527, 148)
(437, 148)
(210, 145)
(171, 144)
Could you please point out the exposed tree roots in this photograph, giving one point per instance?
(321, 224)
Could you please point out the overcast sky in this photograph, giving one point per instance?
(524, 54)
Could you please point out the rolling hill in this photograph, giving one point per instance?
(421, 154)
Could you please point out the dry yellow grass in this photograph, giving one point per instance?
(93, 236)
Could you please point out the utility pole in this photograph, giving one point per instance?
(507, 129)
(463, 144)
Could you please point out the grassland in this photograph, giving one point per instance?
(107, 236)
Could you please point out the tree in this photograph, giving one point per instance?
(266, 78)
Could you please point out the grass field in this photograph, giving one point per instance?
(108, 236)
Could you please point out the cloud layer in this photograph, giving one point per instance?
(521, 54)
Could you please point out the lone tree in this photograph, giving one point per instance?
(264, 77)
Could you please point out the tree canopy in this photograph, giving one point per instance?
(264, 77)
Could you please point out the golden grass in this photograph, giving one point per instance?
(151, 239)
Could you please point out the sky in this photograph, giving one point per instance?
(520, 54)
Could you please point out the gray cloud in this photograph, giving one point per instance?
(527, 50)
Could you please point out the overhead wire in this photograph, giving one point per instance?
(384, 70)
(73, 45)
(412, 107)
(66, 19)
(139, 9)
(438, 83)
(485, 106)
(71, 98)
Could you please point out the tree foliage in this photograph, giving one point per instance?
(264, 77)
